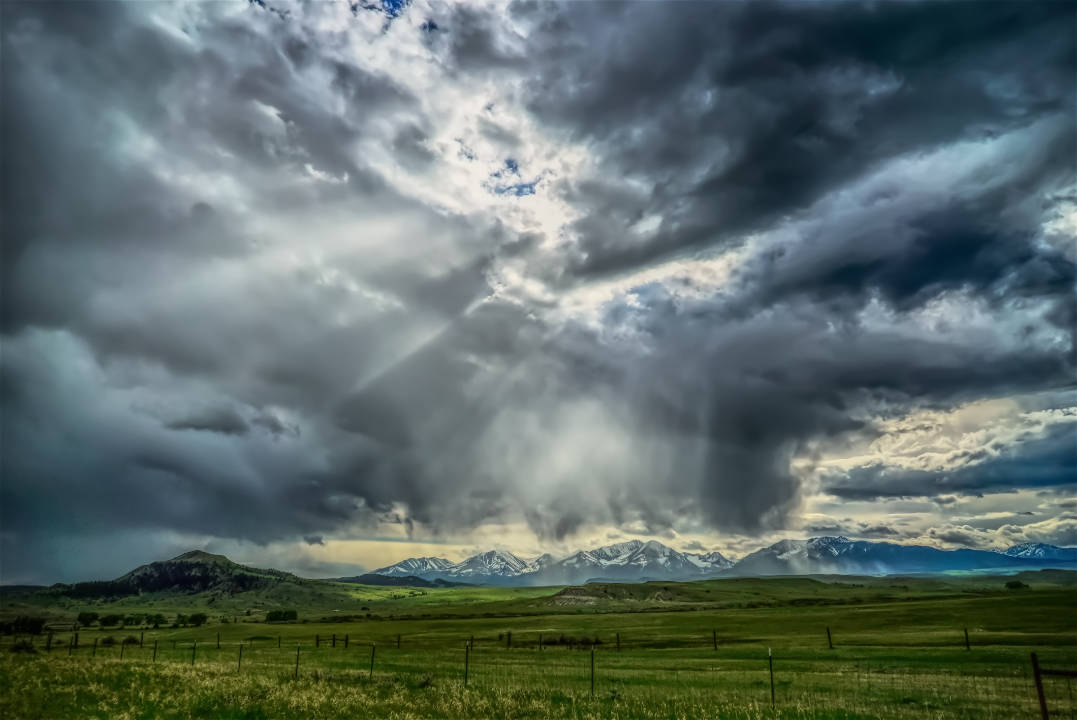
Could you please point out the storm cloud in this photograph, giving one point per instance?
(281, 272)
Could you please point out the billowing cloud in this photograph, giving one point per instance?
(278, 273)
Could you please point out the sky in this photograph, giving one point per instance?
(322, 286)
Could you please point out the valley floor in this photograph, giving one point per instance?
(903, 657)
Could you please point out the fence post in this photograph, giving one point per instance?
(317, 641)
(592, 671)
(194, 647)
(1039, 687)
(770, 665)
(123, 646)
(297, 660)
(70, 645)
(345, 641)
(371, 676)
(239, 663)
(714, 639)
(278, 642)
(48, 644)
(141, 638)
(76, 639)
(154, 651)
(94, 648)
(967, 639)
(829, 642)
(334, 644)
(540, 641)
(508, 639)
(467, 659)
(398, 641)
(218, 640)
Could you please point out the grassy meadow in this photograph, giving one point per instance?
(899, 652)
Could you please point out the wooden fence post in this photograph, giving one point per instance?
(218, 640)
(141, 638)
(467, 658)
(371, 676)
(94, 648)
(297, 660)
(194, 647)
(239, 663)
(317, 641)
(967, 639)
(345, 641)
(829, 641)
(770, 665)
(278, 642)
(540, 641)
(714, 639)
(334, 642)
(48, 644)
(154, 651)
(70, 645)
(508, 639)
(1039, 687)
(76, 639)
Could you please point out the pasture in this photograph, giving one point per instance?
(658, 650)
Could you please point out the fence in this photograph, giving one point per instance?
(704, 664)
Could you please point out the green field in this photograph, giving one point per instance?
(899, 652)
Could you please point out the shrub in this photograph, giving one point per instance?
(1015, 585)
(87, 618)
(282, 616)
(108, 620)
(198, 619)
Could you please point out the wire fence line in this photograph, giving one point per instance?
(574, 666)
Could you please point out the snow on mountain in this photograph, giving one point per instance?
(495, 563)
(633, 561)
(420, 567)
(1042, 551)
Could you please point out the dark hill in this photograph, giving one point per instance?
(191, 572)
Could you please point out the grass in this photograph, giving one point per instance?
(899, 653)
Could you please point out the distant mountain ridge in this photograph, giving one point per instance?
(637, 561)
(627, 561)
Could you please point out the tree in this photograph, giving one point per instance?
(198, 619)
(87, 618)
(107, 620)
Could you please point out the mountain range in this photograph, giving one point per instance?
(637, 561)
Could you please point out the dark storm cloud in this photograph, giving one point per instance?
(1047, 461)
(220, 420)
(731, 115)
(218, 295)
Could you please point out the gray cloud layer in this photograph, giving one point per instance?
(223, 314)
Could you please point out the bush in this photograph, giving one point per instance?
(25, 625)
(1015, 585)
(198, 619)
(87, 618)
(109, 620)
(108, 641)
(282, 616)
